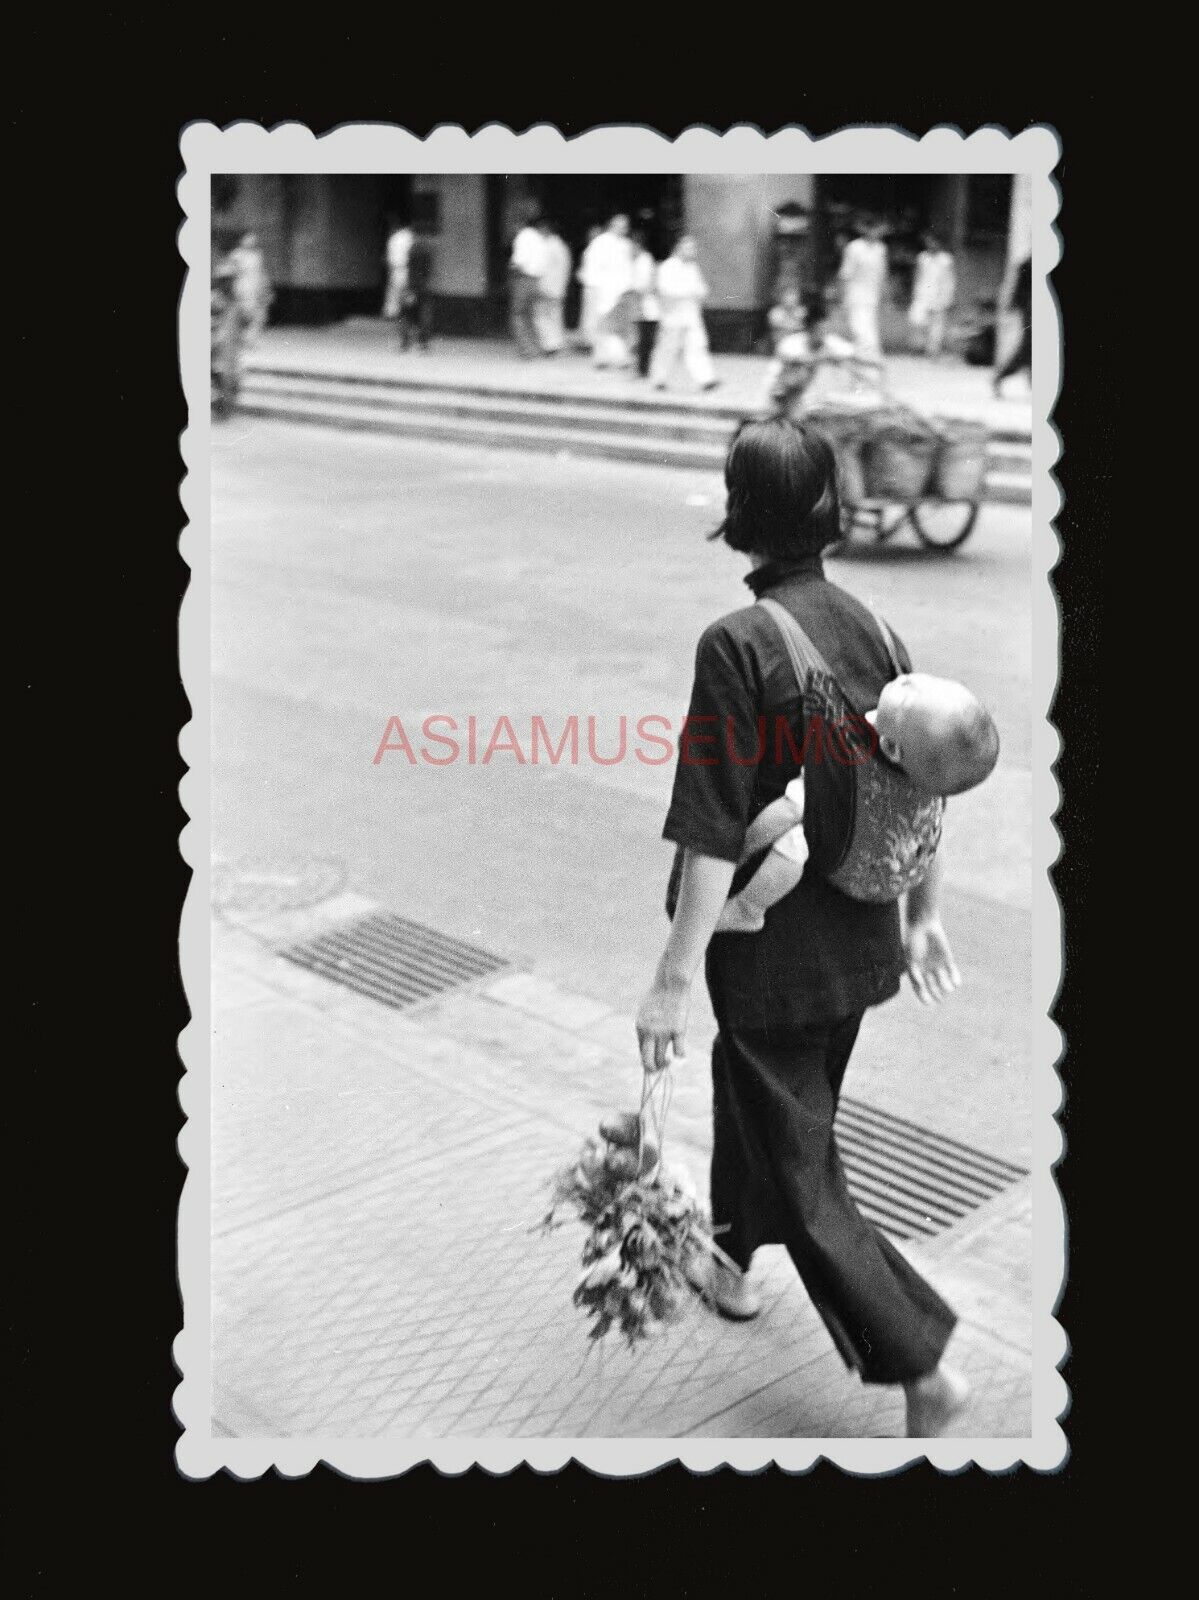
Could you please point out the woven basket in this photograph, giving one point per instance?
(961, 463)
(901, 456)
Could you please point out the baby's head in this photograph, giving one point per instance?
(942, 737)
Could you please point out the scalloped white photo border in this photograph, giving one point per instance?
(245, 147)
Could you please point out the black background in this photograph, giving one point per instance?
(92, 1299)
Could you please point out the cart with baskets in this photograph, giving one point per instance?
(897, 467)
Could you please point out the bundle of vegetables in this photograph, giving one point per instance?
(645, 1225)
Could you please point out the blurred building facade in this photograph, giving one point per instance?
(323, 235)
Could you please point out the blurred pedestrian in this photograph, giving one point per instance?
(607, 270)
(555, 279)
(227, 328)
(587, 314)
(251, 287)
(786, 316)
(933, 293)
(416, 306)
(525, 271)
(399, 246)
(1020, 302)
(681, 332)
(863, 277)
(793, 366)
(645, 272)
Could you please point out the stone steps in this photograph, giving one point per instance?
(649, 428)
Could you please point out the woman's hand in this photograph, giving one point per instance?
(931, 966)
(662, 1023)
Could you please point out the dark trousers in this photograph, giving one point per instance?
(646, 332)
(777, 1179)
(415, 320)
(523, 292)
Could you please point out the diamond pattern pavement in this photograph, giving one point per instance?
(376, 1262)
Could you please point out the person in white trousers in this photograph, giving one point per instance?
(863, 277)
(932, 294)
(555, 277)
(607, 271)
(399, 248)
(681, 332)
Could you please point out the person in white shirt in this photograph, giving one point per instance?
(645, 272)
(932, 294)
(399, 247)
(682, 336)
(555, 278)
(607, 271)
(863, 277)
(525, 271)
(585, 334)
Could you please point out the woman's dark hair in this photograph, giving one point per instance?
(782, 491)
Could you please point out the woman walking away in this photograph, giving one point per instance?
(681, 332)
(789, 1000)
(932, 294)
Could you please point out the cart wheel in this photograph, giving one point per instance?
(944, 524)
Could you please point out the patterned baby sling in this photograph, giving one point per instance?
(895, 827)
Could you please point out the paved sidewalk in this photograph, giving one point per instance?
(368, 348)
(378, 1177)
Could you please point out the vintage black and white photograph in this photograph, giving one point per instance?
(620, 646)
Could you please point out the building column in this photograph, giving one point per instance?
(731, 218)
(460, 240)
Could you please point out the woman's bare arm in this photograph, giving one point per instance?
(662, 1015)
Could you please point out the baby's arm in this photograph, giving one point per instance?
(778, 818)
(779, 826)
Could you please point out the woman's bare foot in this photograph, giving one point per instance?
(933, 1402)
(732, 1293)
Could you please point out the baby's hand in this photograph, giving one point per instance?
(933, 971)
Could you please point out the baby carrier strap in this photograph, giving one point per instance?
(804, 656)
(889, 641)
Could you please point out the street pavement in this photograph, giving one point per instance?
(377, 1174)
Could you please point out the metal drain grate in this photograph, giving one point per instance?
(389, 959)
(912, 1182)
